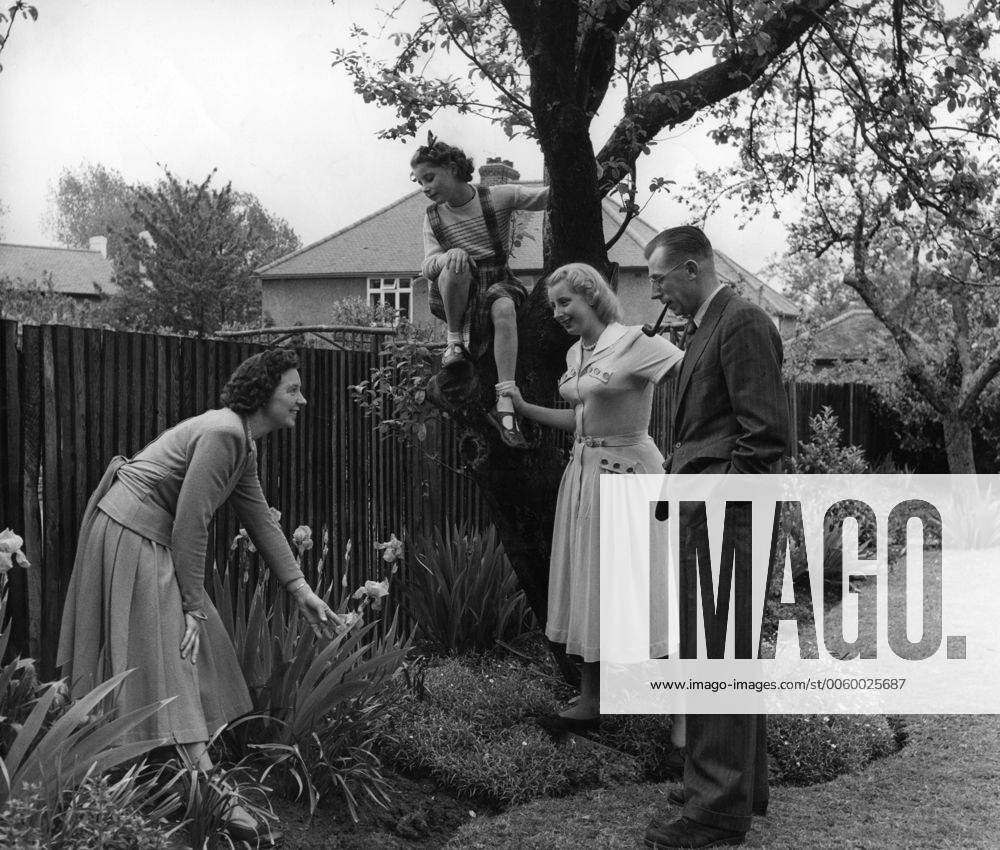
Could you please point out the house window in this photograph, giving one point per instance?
(392, 292)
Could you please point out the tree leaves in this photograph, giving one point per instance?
(26, 12)
(193, 271)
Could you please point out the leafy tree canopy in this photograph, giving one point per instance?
(193, 249)
(544, 69)
(92, 200)
(891, 154)
(814, 284)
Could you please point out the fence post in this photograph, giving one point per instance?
(12, 480)
(792, 392)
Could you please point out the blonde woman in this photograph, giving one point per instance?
(610, 374)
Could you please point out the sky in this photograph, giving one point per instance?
(247, 87)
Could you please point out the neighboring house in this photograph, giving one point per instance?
(378, 258)
(853, 337)
(80, 273)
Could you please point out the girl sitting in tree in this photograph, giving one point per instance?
(466, 243)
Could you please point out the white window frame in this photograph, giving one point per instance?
(388, 290)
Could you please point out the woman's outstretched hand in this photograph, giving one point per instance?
(317, 613)
(191, 639)
(514, 394)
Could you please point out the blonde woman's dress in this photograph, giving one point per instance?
(611, 392)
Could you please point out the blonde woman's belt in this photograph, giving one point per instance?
(613, 441)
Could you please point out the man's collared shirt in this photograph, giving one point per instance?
(703, 309)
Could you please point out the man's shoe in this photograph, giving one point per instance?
(677, 798)
(686, 834)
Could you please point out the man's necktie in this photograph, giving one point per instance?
(689, 330)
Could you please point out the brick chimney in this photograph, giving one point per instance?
(100, 245)
(497, 171)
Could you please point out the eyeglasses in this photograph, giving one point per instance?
(655, 279)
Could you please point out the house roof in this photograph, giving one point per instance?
(852, 335)
(390, 241)
(71, 271)
(752, 287)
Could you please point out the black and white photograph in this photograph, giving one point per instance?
(362, 367)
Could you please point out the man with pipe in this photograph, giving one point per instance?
(730, 415)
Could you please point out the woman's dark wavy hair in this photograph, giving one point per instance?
(253, 383)
(439, 153)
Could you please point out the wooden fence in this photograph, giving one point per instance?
(72, 398)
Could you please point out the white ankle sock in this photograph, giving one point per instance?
(505, 404)
(454, 337)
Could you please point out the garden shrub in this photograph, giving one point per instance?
(40, 727)
(20, 689)
(94, 815)
(318, 701)
(462, 593)
(810, 748)
(39, 304)
(472, 729)
(394, 396)
(823, 453)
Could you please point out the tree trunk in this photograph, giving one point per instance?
(958, 446)
(520, 487)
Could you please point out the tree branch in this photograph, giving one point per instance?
(960, 313)
(671, 103)
(630, 213)
(986, 372)
(917, 365)
(972, 131)
(901, 167)
(596, 64)
(470, 54)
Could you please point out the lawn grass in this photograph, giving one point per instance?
(939, 791)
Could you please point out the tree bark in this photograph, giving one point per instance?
(671, 103)
(958, 445)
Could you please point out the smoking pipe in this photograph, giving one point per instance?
(655, 329)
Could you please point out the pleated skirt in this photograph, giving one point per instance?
(123, 611)
(574, 601)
